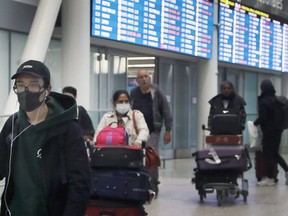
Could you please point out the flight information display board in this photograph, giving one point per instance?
(251, 37)
(180, 26)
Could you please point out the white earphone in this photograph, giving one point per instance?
(46, 93)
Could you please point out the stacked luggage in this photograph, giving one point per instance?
(120, 183)
(222, 161)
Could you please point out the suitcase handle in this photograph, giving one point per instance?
(106, 213)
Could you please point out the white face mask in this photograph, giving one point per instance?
(122, 108)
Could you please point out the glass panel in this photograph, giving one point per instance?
(250, 95)
(16, 49)
(4, 72)
(103, 82)
(53, 60)
(192, 105)
(119, 73)
(18, 42)
(166, 85)
(108, 74)
(181, 108)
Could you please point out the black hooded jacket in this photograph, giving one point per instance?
(64, 162)
(266, 103)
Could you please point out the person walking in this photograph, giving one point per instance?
(152, 102)
(267, 102)
(42, 152)
(83, 117)
(228, 102)
(123, 115)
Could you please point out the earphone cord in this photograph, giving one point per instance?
(10, 156)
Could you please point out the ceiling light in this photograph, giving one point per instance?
(141, 58)
(141, 65)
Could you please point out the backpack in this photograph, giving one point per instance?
(281, 113)
(112, 135)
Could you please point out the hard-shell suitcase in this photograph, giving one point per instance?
(120, 184)
(259, 167)
(222, 158)
(123, 156)
(100, 207)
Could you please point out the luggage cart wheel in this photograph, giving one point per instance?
(219, 196)
(201, 197)
(245, 194)
(201, 194)
(245, 198)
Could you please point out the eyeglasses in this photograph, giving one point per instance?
(33, 88)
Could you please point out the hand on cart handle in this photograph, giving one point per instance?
(205, 128)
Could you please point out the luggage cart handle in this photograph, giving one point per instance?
(106, 213)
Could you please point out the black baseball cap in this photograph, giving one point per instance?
(35, 68)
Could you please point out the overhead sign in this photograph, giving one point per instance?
(179, 26)
(252, 37)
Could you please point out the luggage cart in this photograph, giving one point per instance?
(120, 183)
(221, 166)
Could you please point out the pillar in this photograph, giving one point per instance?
(76, 48)
(38, 40)
(207, 81)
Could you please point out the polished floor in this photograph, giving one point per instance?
(178, 196)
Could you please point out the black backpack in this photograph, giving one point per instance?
(281, 113)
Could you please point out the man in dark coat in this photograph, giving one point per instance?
(228, 102)
(152, 102)
(42, 153)
(83, 117)
(267, 102)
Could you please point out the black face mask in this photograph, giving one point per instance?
(29, 101)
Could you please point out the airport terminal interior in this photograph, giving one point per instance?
(197, 45)
(178, 195)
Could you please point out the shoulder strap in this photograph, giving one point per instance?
(134, 122)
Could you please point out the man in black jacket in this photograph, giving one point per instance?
(83, 117)
(42, 153)
(228, 102)
(267, 102)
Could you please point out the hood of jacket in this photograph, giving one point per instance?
(267, 88)
(61, 109)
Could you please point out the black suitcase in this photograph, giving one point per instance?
(104, 207)
(120, 184)
(215, 176)
(233, 158)
(259, 167)
(117, 156)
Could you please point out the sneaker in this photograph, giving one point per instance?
(266, 182)
(286, 175)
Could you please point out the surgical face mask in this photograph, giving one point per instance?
(122, 108)
(29, 101)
